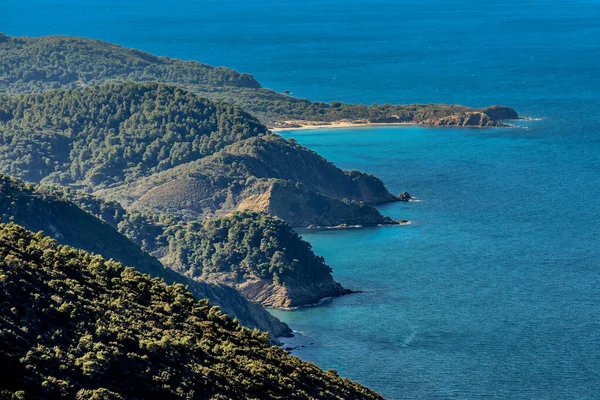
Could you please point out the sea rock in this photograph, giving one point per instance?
(500, 113)
(404, 196)
(466, 119)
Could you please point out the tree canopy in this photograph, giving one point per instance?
(113, 133)
(75, 325)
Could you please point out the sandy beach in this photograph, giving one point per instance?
(304, 125)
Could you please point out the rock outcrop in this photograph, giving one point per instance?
(500, 113)
(301, 207)
(466, 119)
(404, 196)
(292, 294)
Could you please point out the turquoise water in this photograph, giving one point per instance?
(493, 290)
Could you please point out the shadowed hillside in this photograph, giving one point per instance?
(100, 330)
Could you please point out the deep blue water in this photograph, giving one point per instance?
(493, 291)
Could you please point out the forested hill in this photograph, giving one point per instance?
(39, 64)
(36, 64)
(255, 253)
(42, 209)
(73, 325)
(132, 137)
(112, 133)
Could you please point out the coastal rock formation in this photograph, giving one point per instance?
(404, 196)
(291, 295)
(466, 119)
(500, 113)
(269, 174)
(301, 207)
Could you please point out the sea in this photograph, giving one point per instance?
(493, 290)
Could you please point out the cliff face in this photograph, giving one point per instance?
(272, 156)
(467, 119)
(267, 174)
(289, 295)
(301, 207)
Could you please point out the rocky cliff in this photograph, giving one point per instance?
(301, 207)
(467, 119)
(292, 294)
(267, 174)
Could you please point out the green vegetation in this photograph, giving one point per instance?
(50, 210)
(173, 158)
(232, 250)
(33, 65)
(38, 209)
(39, 64)
(74, 325)
(247, 243)
(227, 250)
(254, 174)
(166, 149)
(114, 132)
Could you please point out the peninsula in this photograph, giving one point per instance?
(43, 63)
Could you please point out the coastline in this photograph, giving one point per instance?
(307, 125)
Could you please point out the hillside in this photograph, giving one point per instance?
(38, 64)
(162, 147)
(256, 254)
(40, 209)
(100, 330)
(113, 133)
(260, 256)
(266, 173)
